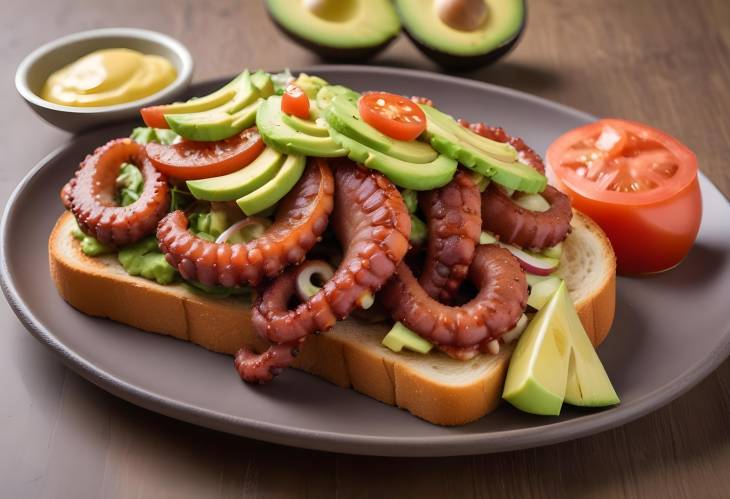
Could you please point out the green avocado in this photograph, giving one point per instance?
(326, 94)
(270, 193)
(305, 126)
(343, 116)
(239, 183)
(310, 85)
(210, 101)
(494, 160)
(400, 337)
(145, 259)
(337, 29)
(416, 176)
(282, 137)
(458, 35)
(229, 118)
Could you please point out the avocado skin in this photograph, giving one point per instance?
(333, 54)
(467, 63)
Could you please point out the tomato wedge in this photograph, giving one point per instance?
(154, 116)
(295, 102)
(188, 160)
(638, 183)
(396, 116)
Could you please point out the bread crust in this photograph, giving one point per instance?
(100, 287)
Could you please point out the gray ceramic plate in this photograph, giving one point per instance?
(671, 330)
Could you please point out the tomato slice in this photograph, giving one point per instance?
(394, 115)
(638, 183)
(154, 116)
(295, 102)
(188, 160)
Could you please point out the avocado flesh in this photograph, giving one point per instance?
(239, 183)
(342, 115)
(228, 119)
(343, 29)
(329, 92)
(212, 126)
(210, 101)
(552, 363)
(309, 127)
(282, 137)
(416, 176)
(275, 189)
(463, 49)
(447, 137)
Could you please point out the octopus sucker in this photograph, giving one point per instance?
(90, 195)
(454, 223)
(300, 220)
(375, 239)
(496, 308)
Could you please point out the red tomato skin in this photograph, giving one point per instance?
(295, 102)
(646, 238)
(190, 160)
(401, 127)
(154, 117)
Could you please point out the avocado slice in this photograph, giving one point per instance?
(271, 192)
(282, 137)
(342, 115)
(554, 361)
(239, 183)
(210, 101)
(400, 337)
(305, 126)
(416, 176)
(463, 47)
(487, 157)
(228, 119)
(326, 94)
(210, 126)
(337, 29)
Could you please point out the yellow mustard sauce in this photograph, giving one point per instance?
(107, 77)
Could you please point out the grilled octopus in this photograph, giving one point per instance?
(454, 223)
(513, 224)
(371, 223)
(300, 220)
(90, 195)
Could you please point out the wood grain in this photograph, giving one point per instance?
(666, 62)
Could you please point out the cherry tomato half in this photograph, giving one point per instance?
(295, 102)
(638, 183)
(154, 116)
(188, 160)
(393, 115)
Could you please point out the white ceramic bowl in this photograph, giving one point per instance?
(38, 66)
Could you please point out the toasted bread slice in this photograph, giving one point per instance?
(433, 387)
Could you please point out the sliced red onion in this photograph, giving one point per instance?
(246, 222)
(530, 262)
(305, 287)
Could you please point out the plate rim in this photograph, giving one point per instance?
(444, 445)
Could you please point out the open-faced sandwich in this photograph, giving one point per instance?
(369, 239)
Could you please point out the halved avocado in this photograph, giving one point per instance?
(439, 31)
(284, 138)
(337, 29)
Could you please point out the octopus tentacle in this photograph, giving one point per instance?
(495, 310)
(300, 220)
(371, 222)
(90, 195)
(454, 224)
(516, 225)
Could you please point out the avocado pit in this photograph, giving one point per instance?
(462, 15)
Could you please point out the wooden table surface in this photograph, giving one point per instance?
(665, 62)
